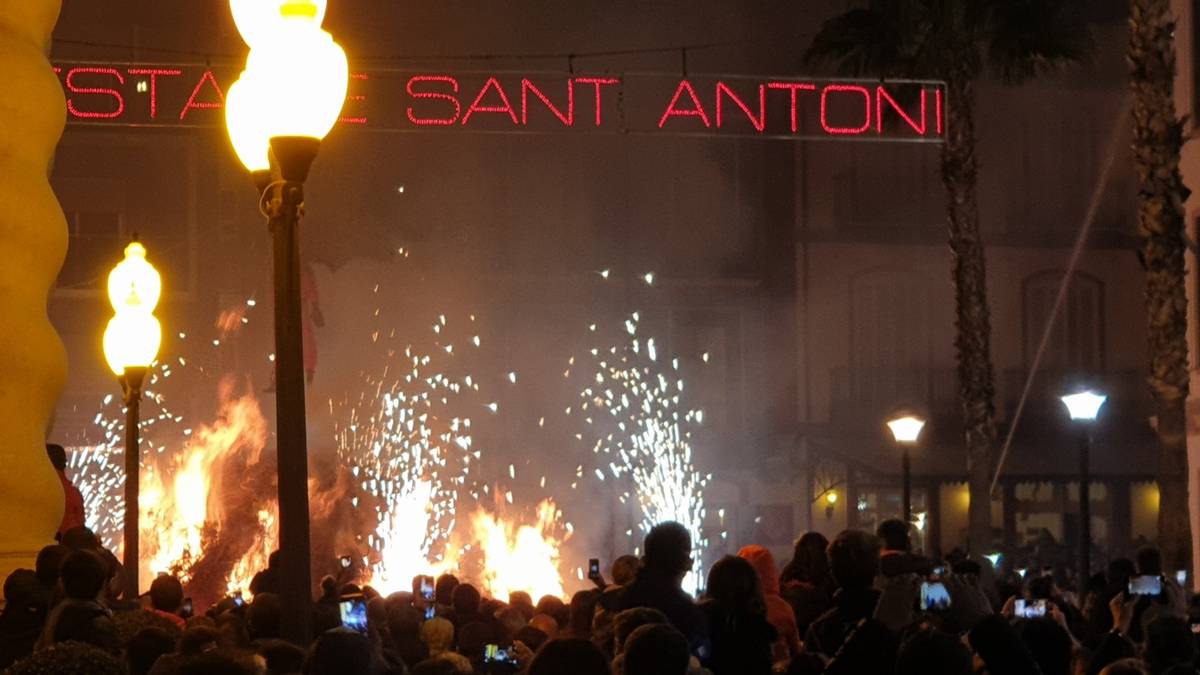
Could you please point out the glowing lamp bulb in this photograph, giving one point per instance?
(1084, 406)
(906, 429)
(831, 498)
(134, 285)
(133, 335)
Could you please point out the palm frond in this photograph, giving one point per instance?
(1029, 37)
(866, 41)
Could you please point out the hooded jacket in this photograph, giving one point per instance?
(779, 611)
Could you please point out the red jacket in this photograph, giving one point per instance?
(779, 612)
(73, 515)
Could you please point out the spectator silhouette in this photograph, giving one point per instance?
(81, 617)
(73, 515)
(739, 632)
(668, 557)
(854, 562)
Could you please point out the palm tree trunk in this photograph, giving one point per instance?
(1158, 136)
(973, 317)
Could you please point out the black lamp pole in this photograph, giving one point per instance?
(1085, 505)
(906, 472)
(131, 389)
(291, 158)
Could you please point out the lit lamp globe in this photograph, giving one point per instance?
(293, 87)
(133, 335)
(1084, 406)
(906, 429)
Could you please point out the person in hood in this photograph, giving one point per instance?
(779, 611)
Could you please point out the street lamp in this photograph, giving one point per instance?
(831, 498)
(906, 429)
(287, 99)
(1083, 408)
(131, 343)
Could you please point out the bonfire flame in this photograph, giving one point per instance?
(519, 558)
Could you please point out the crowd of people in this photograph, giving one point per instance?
(863, 603)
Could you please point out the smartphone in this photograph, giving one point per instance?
(346, 562)
(238, 599)
(354, 613)
(430, 612)
(187, 611)
(494, 654)
(934, 596)
(1022, 571)
(1030, 609)
(1181, 578)
(1196, 629)
(593, 568)
(1146, 584)
(939, 571)
(427, 588)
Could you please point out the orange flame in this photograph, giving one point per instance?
(520, 558)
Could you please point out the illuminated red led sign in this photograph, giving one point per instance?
(391, 100)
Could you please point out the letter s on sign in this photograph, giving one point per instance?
(74, 89)
(433, 95)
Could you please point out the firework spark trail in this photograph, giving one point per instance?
(410, 448)
(635, 410)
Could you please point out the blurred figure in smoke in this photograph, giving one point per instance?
(73, 515)
(806, 582)
(267, 581)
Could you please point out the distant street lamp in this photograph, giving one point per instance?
(285, 102)
(1084, 407)
(131, 343)
(831, 498)
(906, 429)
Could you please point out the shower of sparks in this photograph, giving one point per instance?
(634, 412)
(411, 449)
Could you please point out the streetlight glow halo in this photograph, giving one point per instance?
(1084, 406)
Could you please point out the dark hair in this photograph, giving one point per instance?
(1108, 652)
(166, 593)
(1149, 560)
(894, 534)
(68, 657)
(931, 651)
(582, 610)
(734, 586)
(83, 575)
(555, 608)
(49, 560)
(443, 589)
(57, 455)
(569, 656)
(465, 600)
(624, 569)
(473, 637)
(213, 663)
(329, 587)
(1041, 588)
(965, 566)
(854, 559)
(656, 650)
(1169, 642)
(1050, 645)
(80, 537)
(23, 590)
(264, 616)
(341, 652)
(198, 639)
(630, 620)
(668, 548)
(810, 563)
(282, 657)
(143, 649)
(532, 637)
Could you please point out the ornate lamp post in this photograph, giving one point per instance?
(131, 343)
(906, 429)
(286, 100)
(1084, 407)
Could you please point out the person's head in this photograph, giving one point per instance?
(582, 610)
(531, 637)
(966, 566)
(329, 588)
(1119, 571)
(215, 663)
(234, 631)
(1050, 644)
(854, 559)
(443, 589)
(668, 548)
(1169, 642)
(264, 616)
(1126, 667)
(68, 658)
(1109, 652)
(734, 586)
(143, 650)
(555, 607)
(23, 592)
(764, 565)
(545, 623)
(403, 619)
(282, 657)
(630, 620)
(931, 651)
(49, 560)
(1042, 588)
(465, 600)
(198, 640)
(1149, 560)
(80, 538)
(521, 600)
(511, 620)
(656, 649)
(341, 652)
(83, 575)
(809, 561)
(437, 634)
(274, 559)
(473, 637)
(57, 455)
(569, 656)
(444, 664)
(624, 570)
(166, 593)
(894, 535)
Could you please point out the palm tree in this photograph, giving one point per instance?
(1157, 138)
(959, 41)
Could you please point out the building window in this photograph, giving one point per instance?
(95, 245)
(891, 340)
(1077, 340)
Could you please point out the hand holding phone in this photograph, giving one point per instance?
(594, 573)
(1145, 584)
(494, 654)
(1029, 609)
(353, 611)
(934, 596)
